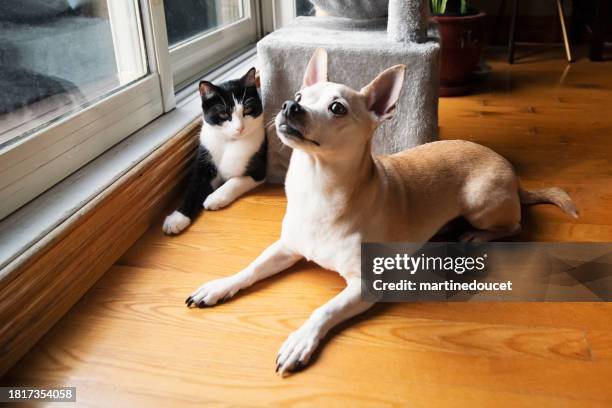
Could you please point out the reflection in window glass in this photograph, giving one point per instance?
(56, 55)
(186, 19)
(304, 8)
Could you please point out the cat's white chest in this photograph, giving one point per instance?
(231, 157)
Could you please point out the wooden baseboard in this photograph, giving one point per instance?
(36, 292)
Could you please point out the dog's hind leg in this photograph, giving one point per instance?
(491, 205)
(301, 344)
(274, 259)
(494, 218)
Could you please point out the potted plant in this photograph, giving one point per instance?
(462, 33)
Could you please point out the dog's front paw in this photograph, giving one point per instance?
(212, 292)
(175, 223)
(296, 351)
(216, 201)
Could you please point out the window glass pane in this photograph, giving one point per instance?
(304, 8)
(58, 55)
(186, 19)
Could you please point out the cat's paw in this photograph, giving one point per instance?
(175, 223)
(216, 201)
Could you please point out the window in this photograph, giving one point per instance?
(58, 57)
(201, 33)
(78, 76)
(284, 11)
(75, 78)
(188, 19)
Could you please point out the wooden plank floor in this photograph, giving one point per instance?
(131, 341)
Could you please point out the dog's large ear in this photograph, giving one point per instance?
(316, 71)
(384, 91)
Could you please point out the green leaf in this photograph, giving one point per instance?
(443, 7)
(436, 6)
(463, 6)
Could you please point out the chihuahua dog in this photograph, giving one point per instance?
(338, 195)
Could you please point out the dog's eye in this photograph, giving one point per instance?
(298, 97)
(337, 109)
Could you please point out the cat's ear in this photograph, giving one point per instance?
(207, 89)
(250, 78)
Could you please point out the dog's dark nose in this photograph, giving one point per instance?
(291, 108)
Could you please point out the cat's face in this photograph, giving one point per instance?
(233, 107)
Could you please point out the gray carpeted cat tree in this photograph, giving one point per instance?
(361, 42)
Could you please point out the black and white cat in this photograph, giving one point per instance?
(231, 158)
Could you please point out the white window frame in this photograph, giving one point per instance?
(34, 163)
(276, 14)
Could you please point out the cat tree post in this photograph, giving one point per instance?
(408, 20)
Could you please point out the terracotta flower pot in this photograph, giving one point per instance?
(462, 44)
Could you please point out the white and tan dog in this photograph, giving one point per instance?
(339, 195)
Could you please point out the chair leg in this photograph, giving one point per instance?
(499, 20)
(596, 27)
(513, 17)
(568, 51)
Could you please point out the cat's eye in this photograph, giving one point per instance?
(247, 110)
(224, 115)
(298, 97)
(337, 109)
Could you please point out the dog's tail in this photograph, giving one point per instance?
(551, 195)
